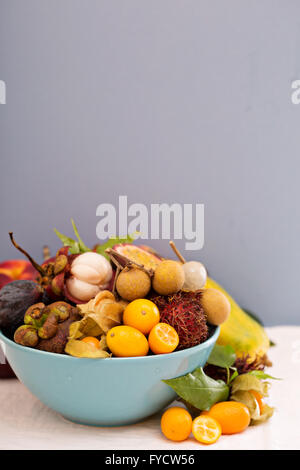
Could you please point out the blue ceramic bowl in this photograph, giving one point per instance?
(103, 392)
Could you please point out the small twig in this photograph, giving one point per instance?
(116, 262)
(46, 252)
(176, 251)
(114, 291)
(34, 263)
(114, 255)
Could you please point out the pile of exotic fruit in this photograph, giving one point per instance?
(123, 300)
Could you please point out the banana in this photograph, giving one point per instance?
(240, 331)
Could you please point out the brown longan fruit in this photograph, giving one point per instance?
(168, 277)
(133, 283)
(216, 306)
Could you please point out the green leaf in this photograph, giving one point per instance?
(199, 390)
(83, 248)
(67, 241)
(113, 241)
(262, 375)
(76, 247)
(222, 356)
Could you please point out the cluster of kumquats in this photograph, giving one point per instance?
(141, 331)
(228, 417)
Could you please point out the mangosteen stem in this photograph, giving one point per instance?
(34, 263)
(176, 251)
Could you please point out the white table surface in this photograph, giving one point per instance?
(25, 423)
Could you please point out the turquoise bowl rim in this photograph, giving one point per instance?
(212, 339)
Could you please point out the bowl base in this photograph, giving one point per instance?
(95, 425)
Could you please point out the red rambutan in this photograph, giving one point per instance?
(183, 311)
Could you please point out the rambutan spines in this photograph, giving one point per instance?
(183, 311)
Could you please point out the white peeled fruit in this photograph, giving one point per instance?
(81, 290)
(85, 273)
(195, 275)
(97, 262)
(91, 272)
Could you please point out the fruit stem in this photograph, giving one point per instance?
(114, 291)
(114, 255)
(34, 263)
(46, 252)
(176, 251)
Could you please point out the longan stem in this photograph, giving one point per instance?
(114, 255)
(176, 251)
(115, 281)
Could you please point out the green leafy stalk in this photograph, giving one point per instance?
(78, 246)
(83, 248)
(242, 391)
(224, 357)
(67, 241)
(233, 376)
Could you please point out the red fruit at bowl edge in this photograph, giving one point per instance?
(12, 270)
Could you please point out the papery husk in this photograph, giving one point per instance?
(99, 315)
(79, 348)
(240, 392)
(90, 307)
(247, 382)
(249, 400)
(267, 412)
(88, 326)
(74, 330)
(108, 314)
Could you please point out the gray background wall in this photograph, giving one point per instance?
(165, 101)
